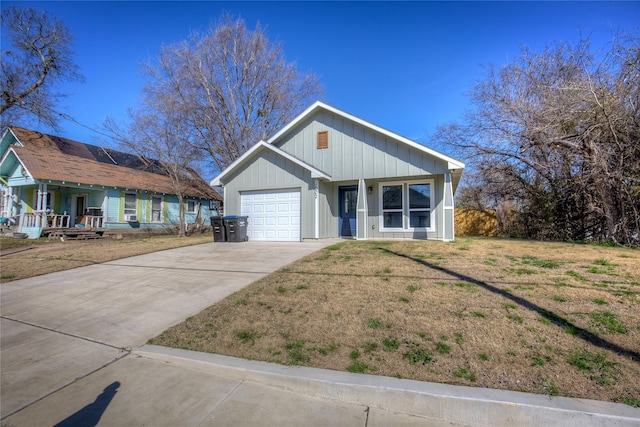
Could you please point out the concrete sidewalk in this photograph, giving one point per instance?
(73, 354)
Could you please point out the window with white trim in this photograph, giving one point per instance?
(191, 206)
(130, 203)
(406, 206)
(156, 208)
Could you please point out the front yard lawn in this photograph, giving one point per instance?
(550, 318)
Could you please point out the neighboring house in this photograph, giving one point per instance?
(52, 182)
(330, 174)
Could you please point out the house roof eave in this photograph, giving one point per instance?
(218, 181)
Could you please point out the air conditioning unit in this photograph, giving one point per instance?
(131, 218)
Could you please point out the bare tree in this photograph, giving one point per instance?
(556, 134)
(233, 87)
(157, 134)
(36, 55)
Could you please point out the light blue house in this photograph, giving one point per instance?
(49, 182)
(331, 174)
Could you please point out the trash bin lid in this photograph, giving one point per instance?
(231, 217)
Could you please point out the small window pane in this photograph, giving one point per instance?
(392, 197)
(130, 204)
(420, 219)
(393, 220)
(419, 196)
(156, 209)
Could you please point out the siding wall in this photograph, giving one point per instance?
(329, 217)
(356, 151)
(269, 171)
(170, 211)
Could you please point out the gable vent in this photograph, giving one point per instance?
(323, 139)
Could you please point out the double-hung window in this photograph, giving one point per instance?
(406, 206)
(130, 204)
(156, 209)
(191, 206)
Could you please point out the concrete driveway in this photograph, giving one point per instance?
(70, 355)
(61, 327)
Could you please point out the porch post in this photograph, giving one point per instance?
(447, 217)
(363, 211)
(41, 204)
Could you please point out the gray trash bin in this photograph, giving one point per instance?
(217, 223)
(236, 228)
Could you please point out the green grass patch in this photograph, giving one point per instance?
(326, 350)
(358, 368)
(483, 356)
(465, 285)
(628, 400)
(413, 288)
(604, 262)
(443, 348)
(515, 318)
(418, 355)
(607, 320)
(355, 354)
(391, 344)
(579, 277)
(479, 314)
(464, 373)
(248, 335)
(370, 347)
(599, 301)
(297, 355)
(561, 298)
(596, 366)
(549, 387)
(374, 323)
(532, 260)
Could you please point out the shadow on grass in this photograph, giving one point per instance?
(557, 320)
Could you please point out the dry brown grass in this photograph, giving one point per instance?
(21, 259)
(550, 318)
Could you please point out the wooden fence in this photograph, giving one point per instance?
(473, 222)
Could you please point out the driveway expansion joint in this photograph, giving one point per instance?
(123, 349)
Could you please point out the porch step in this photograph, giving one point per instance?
(74, 234)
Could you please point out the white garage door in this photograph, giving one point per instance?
(273, 215)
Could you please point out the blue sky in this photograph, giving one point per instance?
(405, 66)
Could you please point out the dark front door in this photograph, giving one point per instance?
(348, 201)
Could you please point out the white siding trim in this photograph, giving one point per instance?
(315, 173)
(316, 207)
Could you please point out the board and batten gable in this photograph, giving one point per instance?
(267, 170)
(356, 151)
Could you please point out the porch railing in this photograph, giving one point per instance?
(44, 220)
(33, 219)
(91, 221)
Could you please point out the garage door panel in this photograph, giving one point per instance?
(273, 215)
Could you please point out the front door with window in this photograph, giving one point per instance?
(348, 201)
